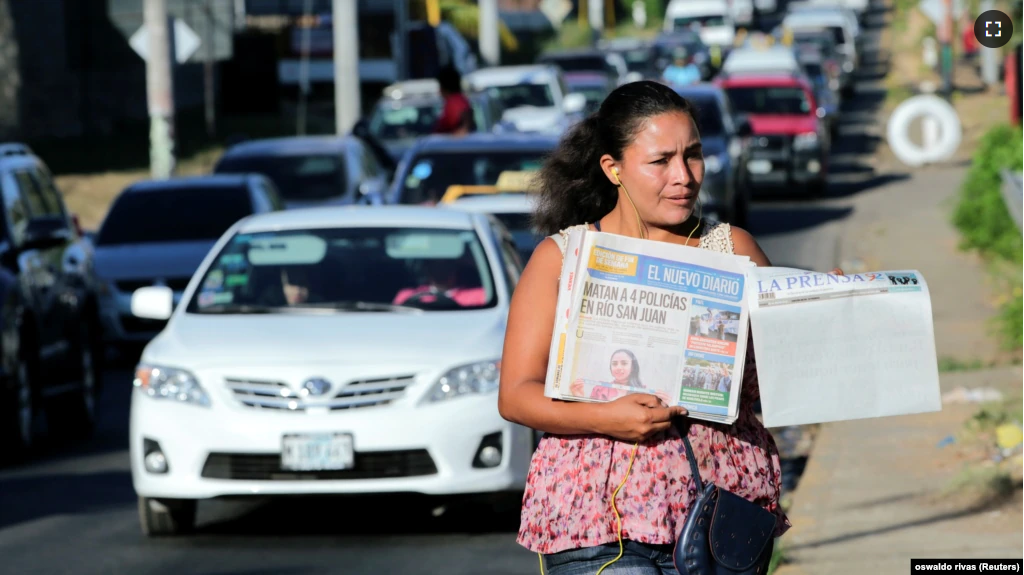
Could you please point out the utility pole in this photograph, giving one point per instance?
(159, 89)
(347, 107)
(401, 45)
(596, 9)
(490, 48)
(211, 119)
(946, 41)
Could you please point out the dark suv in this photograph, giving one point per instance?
(50, 353)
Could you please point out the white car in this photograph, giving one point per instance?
(767, 60)
(715, 20)
(534, 98)
(330, 351)
(514, 211)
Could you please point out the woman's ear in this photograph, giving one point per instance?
(611, 169)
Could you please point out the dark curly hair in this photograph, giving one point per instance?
(572, 188)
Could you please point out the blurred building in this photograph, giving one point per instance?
(66, 70)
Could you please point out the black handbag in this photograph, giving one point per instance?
(724, 533)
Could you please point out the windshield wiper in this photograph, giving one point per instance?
(361, 306)
(228, 308)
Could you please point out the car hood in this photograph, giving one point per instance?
(352, 338)
(530, 119)
(782, 124)
(150, 261)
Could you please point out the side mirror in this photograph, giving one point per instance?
(574, 103)
(153, 302)
(743, 128)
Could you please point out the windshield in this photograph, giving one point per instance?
(352, 269)
(698, 21)
(310, 177)
(781, 100)
(173, 215)
(709, 117)
(396, 121)
(639, 60)
(536, 95)
(432, 173)
(594, 96)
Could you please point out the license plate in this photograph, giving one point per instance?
(317, 452)
(759, 166)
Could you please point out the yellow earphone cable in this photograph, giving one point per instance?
(642, 227)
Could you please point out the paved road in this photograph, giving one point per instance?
(72, 508)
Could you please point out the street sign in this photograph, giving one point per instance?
(186, 42)
(556, 10)
(935, 10)
(215, 28)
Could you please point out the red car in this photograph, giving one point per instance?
(788, 146)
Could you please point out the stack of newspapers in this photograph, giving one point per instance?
(638, 316)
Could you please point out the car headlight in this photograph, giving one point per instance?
(480, 377)
(713, 164)
(804, 141)
(170, 383)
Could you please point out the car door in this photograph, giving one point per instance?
(61, 265)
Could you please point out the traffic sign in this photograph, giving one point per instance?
(556, 11)
(935, 10)
(186, 42)
(215, 27)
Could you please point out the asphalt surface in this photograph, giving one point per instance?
(71, 507)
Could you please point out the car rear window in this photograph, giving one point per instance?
(300, 177)
(173, 215)
(770, 100)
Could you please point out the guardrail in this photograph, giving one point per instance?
(1013, 194)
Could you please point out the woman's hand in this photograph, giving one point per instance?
(636, 417)
(837, 272)
(576, 388)
(663, 397)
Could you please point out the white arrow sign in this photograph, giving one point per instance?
(186, 42)
(556, 10)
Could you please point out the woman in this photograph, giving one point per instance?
(457, 113)
(625, 371)
(645, 138)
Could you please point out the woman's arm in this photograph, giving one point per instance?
(524, 364)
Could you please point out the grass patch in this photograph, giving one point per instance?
(981, 485)
(952, 364)
(986, 226)
(992, 414)
(778, 556)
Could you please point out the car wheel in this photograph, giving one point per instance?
(162, 517)
(76, 413)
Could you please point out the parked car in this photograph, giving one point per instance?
(821, 42)
(756, 60)
(51, 358)
(722, 135)
(840, 24)
(534, 98)
(311, 171)
(588, 60)
(409, 110)
(640, 57)
(827, 100)
(789, 146)
(514, 210)
(436, 163)
(337, 350)
(183, 218)
(595, 87)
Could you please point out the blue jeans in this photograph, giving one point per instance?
(637, 559)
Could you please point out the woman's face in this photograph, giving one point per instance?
(622, 366)
(663, 169)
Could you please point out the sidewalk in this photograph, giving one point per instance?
(869, 498)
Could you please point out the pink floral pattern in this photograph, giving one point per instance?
(567, 503)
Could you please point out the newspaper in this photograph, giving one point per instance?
(636, 316)
(834, 348)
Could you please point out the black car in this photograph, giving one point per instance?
(51, 353)
(721, 134)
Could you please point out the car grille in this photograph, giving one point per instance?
(771, 147)
(133, 324)
(129, 286)
(278, 395)
(369, 465)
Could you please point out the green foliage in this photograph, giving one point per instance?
(985, 223)
(981, 214)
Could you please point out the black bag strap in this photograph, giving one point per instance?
(684, 432)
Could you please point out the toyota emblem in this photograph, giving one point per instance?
(316, 386)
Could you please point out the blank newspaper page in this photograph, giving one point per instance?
(834, 348)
